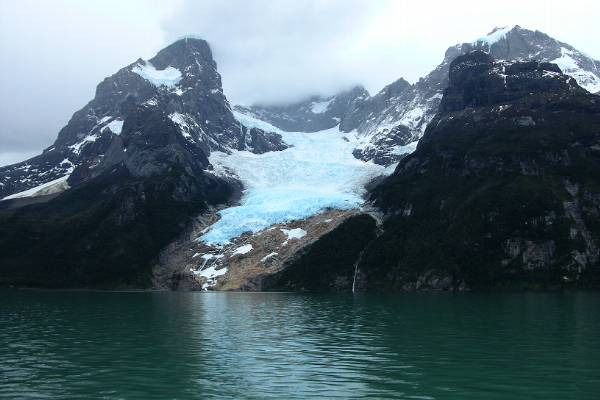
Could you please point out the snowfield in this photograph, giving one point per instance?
(169, 76)
(245, 249)
(297, 233)
(115, 126)
(52, 187)
(317, 173)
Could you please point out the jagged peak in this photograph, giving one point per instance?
(183, 52)
(395, 88)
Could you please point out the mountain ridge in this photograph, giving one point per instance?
(399, 113)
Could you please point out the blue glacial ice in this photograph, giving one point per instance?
(317, 173)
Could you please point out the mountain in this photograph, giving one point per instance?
(143, 187)
(398, 115)
(401, 112)
(136, 162)
(502, 191)
(181, 81)
(314, 114)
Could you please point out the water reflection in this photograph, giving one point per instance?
(240, 345)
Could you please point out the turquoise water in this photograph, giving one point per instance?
(119, 345)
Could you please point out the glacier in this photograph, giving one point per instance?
(318, 172)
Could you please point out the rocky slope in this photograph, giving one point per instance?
(181, 81)
(501, 191)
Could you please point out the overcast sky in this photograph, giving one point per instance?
(54, 53)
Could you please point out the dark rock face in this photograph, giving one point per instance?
(329, 264)
(477, 81)
(310, 115)
(496, 192)
(502, 190)
(181, 81)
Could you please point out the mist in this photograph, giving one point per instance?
(53, 54)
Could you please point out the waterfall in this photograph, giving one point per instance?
(354, 280)
(356, 270)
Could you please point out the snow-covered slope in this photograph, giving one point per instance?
(573, 63)
(318, 172)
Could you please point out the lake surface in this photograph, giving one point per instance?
(155, 345)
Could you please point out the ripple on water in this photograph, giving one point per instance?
(196, 345)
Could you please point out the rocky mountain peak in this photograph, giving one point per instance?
(183, 53)
(477, 80)
(394, 89)
(180, 83)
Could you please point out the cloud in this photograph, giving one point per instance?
(53, 54)
(280, 51)
(12, 157)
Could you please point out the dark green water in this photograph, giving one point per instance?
(205, 345)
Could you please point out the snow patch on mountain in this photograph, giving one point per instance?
(252, 122)
(265, 258)
(297, 233)
(496, 35)
(319, 107)
(211, 274)
(52, 187)
(245, 249)
(180, 120)
(569, 66)
(76, 148)
(166, 77)
(405, 149)
(115, 126)
(317, 173)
